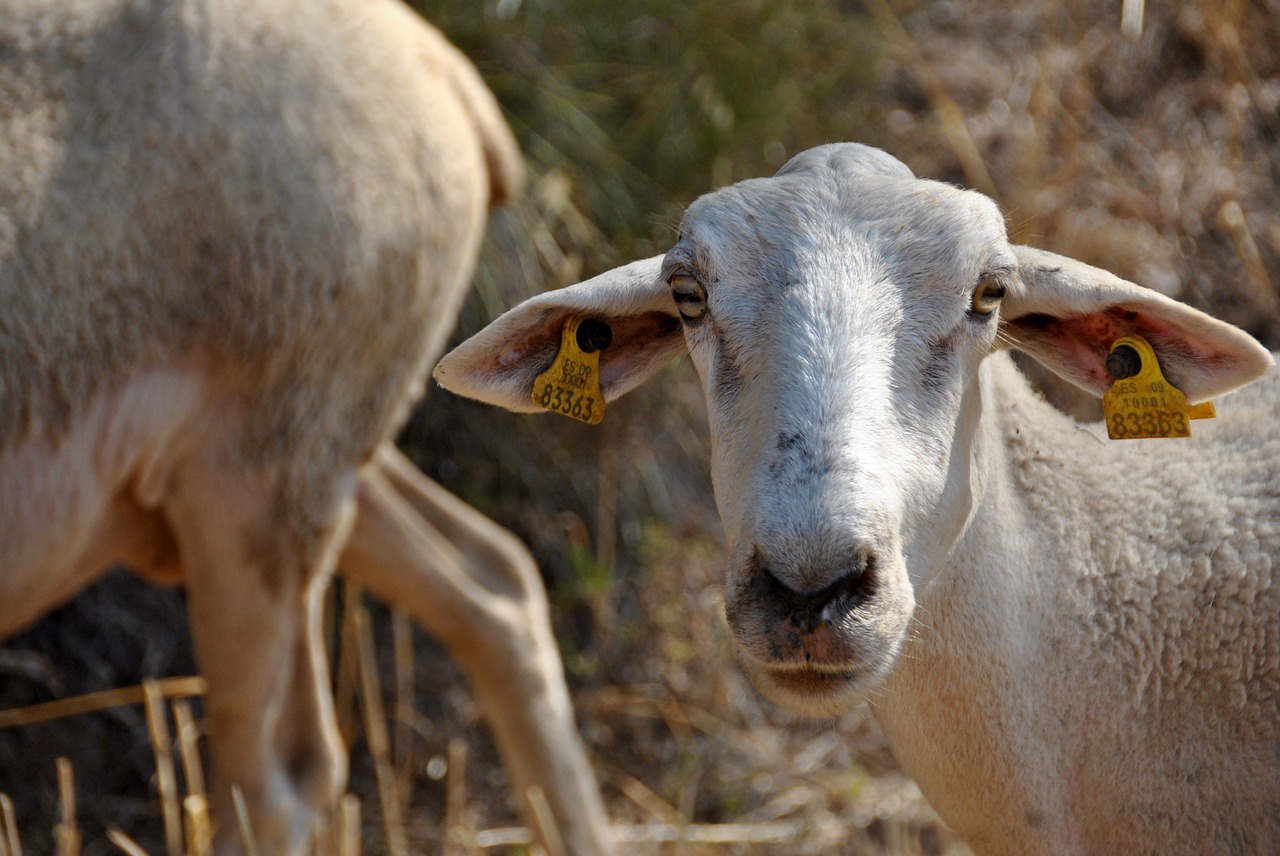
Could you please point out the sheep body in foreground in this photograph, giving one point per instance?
(233, 235)
(1072, 644)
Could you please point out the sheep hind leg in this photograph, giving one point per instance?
(474, 586)
(256, 575)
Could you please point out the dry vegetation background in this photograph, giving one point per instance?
(1157, 156)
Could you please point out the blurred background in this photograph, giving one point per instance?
(1145, 141)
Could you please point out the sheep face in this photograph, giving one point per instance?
(836, 314)
(836, 317)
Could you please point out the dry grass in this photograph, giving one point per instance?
(806, 806)
(182, 800)
(1151, 151)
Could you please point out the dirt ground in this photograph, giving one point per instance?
(1157, 157)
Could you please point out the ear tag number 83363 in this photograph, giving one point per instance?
(1141, 404)
(571, 386)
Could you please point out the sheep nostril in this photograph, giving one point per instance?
(807, 611)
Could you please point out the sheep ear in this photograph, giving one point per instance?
(1067, 314)
(498, 365)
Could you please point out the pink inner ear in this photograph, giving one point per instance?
(638, 340)
(1082, 342)
(536, 345)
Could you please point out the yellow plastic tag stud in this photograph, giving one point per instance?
(571, 386)
(1141, 404)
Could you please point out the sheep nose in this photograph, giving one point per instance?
(806, 611)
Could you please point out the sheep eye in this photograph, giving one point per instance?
(689, 294)
(987, 296)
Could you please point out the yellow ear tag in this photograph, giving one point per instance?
(572, 385)
(1141, 404)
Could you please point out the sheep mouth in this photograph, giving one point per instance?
(812, 689)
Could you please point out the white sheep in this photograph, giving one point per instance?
(1072, 644)
(233, 236)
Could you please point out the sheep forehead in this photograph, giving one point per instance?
(820, 225)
